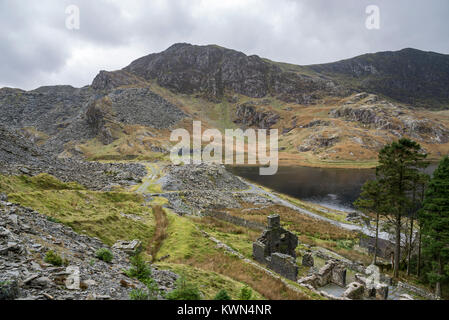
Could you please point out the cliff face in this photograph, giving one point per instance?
(213, 70)
(247, 115)
(409, 76)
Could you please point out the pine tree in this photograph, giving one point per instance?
(419, 186)
(399, 164)
(222, 295)
(434, 219)
(371, 201)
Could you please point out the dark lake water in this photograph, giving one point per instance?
(334, 188)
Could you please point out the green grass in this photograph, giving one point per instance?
(97, 214)
(236, 237)
(183, 240)
(42, 181)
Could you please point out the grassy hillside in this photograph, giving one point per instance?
(175, 242)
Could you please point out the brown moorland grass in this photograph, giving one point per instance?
(297, 222)
(227, 227)
(310, 231)
(270, 287)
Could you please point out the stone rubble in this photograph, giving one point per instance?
(25, 238)
(204, 177)
(20, 157)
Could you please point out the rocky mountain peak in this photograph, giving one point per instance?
(213, 70)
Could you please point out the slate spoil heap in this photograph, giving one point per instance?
(25, 238)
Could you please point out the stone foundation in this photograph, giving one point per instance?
(331, 272)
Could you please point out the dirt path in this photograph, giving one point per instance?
(154, 172)
(347, 226)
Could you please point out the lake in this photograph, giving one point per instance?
(330, 187)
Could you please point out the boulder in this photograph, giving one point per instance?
(72, 282)
(130, 247)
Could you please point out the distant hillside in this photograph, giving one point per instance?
(411, 76)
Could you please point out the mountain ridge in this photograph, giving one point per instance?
(321, 111)
(411, 76)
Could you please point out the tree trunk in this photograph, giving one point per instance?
(410, 247)
(397, 251)
(418, 266)
(377, 239)
(440, 272)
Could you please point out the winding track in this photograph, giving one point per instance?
(154, 171)
(351, 227)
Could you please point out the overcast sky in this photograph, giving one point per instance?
(37, 49)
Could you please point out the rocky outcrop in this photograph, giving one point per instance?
(213, 70)
(317, 123)
(47, 109)
(65, 115)
(248, 115)
(124, 106)
(100, 119)
(200, 188)
(144, 107)
(317, 141)
(25, 238)
(110, 80)
(383, 115)
(200, 202)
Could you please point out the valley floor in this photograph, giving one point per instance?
(169, 213)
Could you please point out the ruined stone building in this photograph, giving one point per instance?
(276, 249)
(385, 248)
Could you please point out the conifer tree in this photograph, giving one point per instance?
(371, 201)
(434, 219)
(399, 164)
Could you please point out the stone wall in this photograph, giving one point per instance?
(385, 248)
(283, 264)
(276, 248)
(416, 290)
(236, 220)
(332, 272)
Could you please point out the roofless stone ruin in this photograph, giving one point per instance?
(276, 249)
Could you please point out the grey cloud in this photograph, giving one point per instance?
(37, 49)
